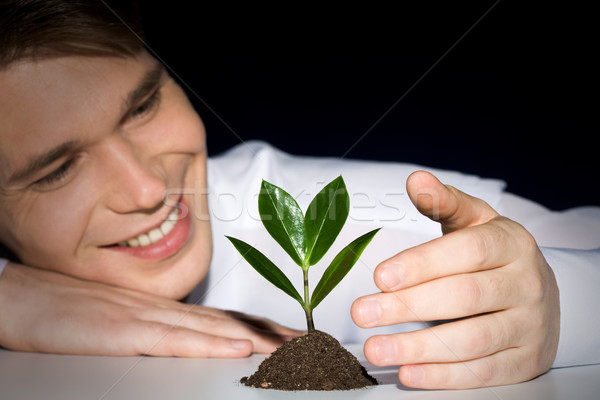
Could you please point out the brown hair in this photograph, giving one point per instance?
(31, 29)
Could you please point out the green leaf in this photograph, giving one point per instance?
(266, 268)
(325, 218)
(283, 219)
(340, 266)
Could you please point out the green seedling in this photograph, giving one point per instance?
(306, 238)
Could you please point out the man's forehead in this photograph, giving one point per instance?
(73, 76)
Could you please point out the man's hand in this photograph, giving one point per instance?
(49, 312)
(487, 274)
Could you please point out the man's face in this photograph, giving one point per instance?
(95, 153)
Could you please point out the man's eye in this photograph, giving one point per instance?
(147, 106)
(57, 176)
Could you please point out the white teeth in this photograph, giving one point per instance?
(167, 226)
(144, 240)
(155, 234)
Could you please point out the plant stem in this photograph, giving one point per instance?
(309, 320)
(307, 307)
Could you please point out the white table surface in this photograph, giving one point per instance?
(44, 376)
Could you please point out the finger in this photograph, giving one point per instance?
(451, 297)
(446, 204)
(462, 340)
(265, 325)
(259, 324)
(214, 323)
(127, 337)
(171, 341)
(490, 245)
(505, 367)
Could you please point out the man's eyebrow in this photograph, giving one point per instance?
(42, 161)
(149, 83)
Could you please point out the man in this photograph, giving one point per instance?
(101, 199)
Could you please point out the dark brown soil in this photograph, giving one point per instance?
(315, 361)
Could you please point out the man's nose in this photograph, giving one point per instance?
(136, 182)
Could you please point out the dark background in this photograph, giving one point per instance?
(515, 98)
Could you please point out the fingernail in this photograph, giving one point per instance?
(385, 350)
(391, 276)
(416, 375)
(239, 344)
(370, 312)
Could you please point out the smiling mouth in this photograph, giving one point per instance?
(154, 235)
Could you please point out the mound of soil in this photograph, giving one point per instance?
(315, 361)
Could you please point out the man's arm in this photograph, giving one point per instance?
(44, 311)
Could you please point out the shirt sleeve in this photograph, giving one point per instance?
(578, 275)
(570, 239)
(570, 242)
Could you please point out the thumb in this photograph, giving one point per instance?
(446, 204)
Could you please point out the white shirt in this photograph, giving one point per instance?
(3, 263)
(378, 199)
